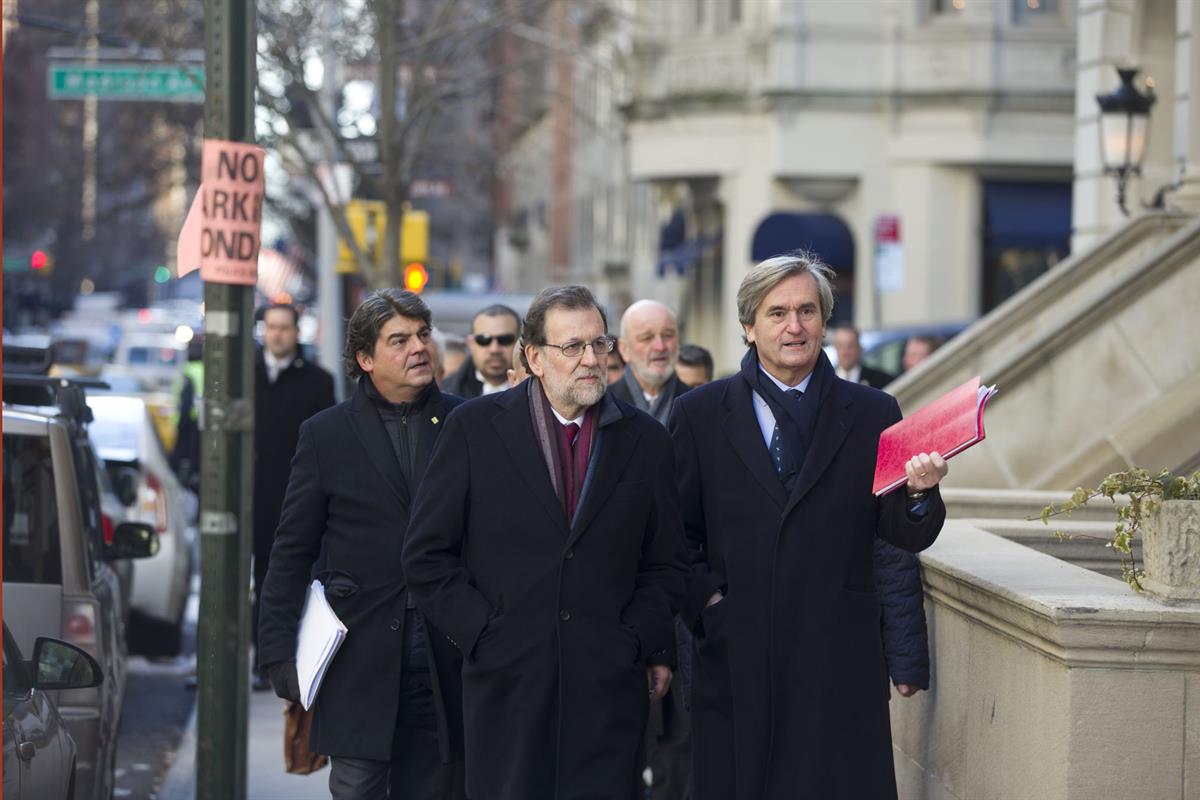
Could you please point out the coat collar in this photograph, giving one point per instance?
(610, 454)
(834, 421)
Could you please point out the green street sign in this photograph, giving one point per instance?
(163, 83)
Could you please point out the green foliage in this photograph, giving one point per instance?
(1145, 492)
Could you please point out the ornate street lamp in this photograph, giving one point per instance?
(1124, 129)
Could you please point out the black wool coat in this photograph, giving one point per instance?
(300, 390)
(556, 621)
(463, 382)
(344, 522)
(789, 689)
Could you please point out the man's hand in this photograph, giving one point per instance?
(659, 680)
(284, 680)
(925, 471)
(716, 598)
(907, 689)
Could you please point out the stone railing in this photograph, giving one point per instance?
(1097, 362)
(1049, 681)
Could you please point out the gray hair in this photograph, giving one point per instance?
(766, 275)
(369, 318)
(569, 297)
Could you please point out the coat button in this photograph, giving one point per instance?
(395, 624)
(564, 615)
(569, 555)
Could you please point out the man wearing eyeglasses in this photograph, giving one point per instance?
(494, 331)
(546, 543)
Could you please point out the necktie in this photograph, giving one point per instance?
(776, 445)
(570, 434)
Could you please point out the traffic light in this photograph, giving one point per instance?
(415, 277)
(366, 219)
(39, 260)
(414, 236)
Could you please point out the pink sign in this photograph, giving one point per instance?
(221, 232)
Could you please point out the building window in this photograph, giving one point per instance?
(1027, 230)
(949, 6)
(1031, 10)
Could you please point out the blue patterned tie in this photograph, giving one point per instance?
(776, 446)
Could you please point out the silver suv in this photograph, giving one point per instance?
(58, 580)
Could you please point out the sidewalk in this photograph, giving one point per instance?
(265, 777)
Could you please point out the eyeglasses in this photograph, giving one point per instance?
(505, 339)
(600, 346)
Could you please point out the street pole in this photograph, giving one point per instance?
(329, 282)
(227, 480)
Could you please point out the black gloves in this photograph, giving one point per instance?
(284, 680)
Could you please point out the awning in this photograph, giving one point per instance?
(1027, 215)
(825, 235)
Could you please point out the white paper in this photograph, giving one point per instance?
(321, 634)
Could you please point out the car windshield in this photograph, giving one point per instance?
(31, 545)
(114, 432)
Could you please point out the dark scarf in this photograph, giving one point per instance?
(661, 409)
(797, 420)
(566, 474)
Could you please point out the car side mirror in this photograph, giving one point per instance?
(58, 665)
(126, 485)
(134, 540)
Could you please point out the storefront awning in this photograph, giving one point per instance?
(825, 235)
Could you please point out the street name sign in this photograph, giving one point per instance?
(163, 83)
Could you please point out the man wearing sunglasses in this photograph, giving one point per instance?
(546, 543)
(494, 331)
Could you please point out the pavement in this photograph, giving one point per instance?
(265, 777)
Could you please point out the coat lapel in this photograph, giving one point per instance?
(516, 431)
(833, 424)
(368, 427)
(741, 428)
(616, 445)
(435, 409)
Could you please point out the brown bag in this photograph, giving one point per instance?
(297, 758)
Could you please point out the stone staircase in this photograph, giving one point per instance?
(1097, 362)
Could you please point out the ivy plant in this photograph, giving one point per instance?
(1145, 492)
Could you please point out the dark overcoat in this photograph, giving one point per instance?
(556, 621)
(300, 390)
(790, 696)
(344, 521)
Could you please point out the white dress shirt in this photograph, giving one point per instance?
(487, 387)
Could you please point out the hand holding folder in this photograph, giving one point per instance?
(948, 425)
(321, 634)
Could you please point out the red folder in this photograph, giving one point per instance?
(949, 425)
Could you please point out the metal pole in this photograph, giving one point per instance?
(329, 283)
(227, 458)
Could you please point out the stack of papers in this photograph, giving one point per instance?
(321, 634)
(948, 425)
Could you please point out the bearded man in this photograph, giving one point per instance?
(547, 544)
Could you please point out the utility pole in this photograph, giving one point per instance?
(227, 455)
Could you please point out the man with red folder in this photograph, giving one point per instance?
(775, 467)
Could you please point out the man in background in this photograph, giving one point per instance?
(649, 344)
(850, 366)
(695, 365)
(494, 331)
(288, 389)
(919, 348)
(616, 367)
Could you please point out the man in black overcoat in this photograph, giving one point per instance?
(775, 467)
(389, 711)
(850, 367)
(288, 389)
(546, 543)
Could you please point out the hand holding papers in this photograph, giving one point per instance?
(948, 425)
(321, 634)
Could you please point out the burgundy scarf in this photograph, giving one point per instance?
(567, 469)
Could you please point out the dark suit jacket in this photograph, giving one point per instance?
(672, 389)
(344, 521)
(790, 696)
(875, 378)
(300, 390)
(463, 382)
(557, 621)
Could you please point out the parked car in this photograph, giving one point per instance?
(142, 479)
(58, 553)
(883, 349)
(157, 359)
(39, 753)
